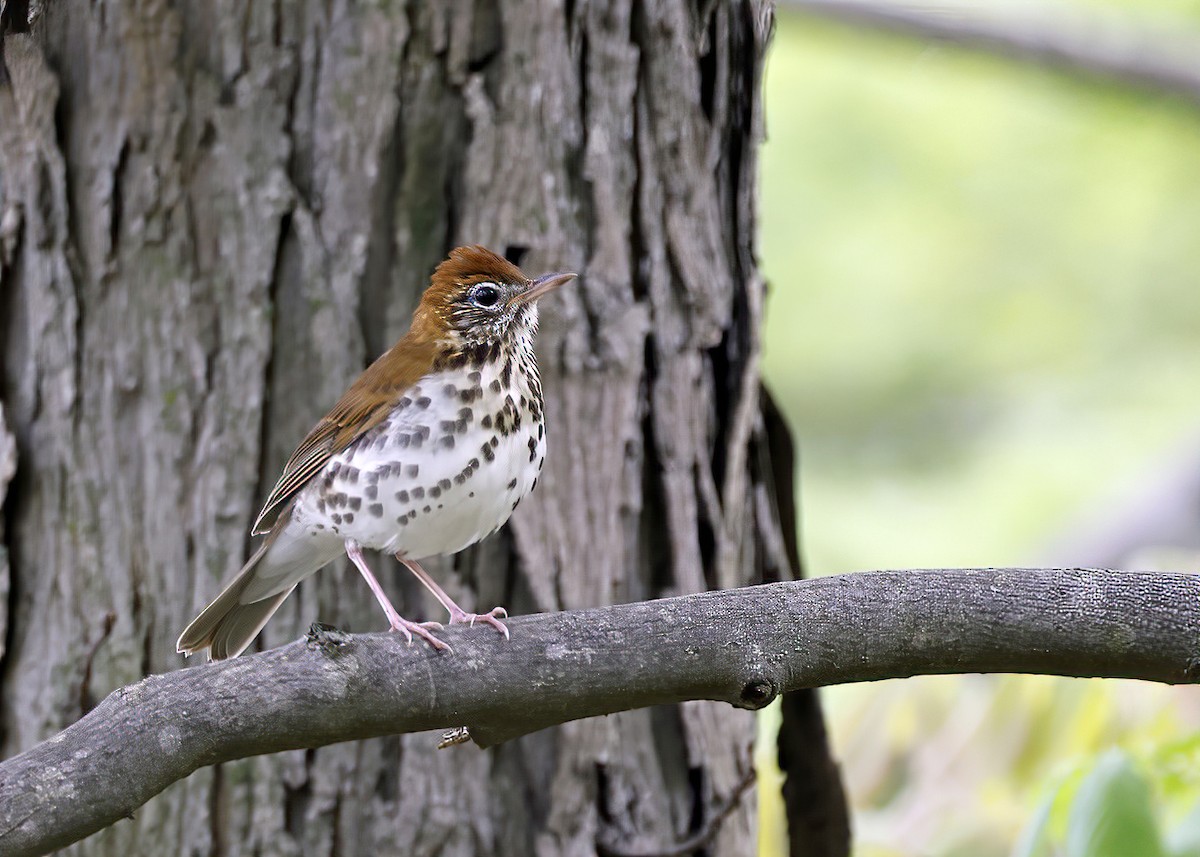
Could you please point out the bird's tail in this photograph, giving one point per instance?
(228, 625)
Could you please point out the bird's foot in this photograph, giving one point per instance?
(422, 630)
(492, 617)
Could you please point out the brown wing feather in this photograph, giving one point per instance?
(377, 390)
(364, 406)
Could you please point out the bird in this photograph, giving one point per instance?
(427, 452)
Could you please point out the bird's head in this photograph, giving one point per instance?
(480, 299)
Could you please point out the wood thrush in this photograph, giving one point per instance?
(429, 451)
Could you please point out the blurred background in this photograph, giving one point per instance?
(984, 326)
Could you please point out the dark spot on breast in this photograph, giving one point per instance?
(423, 432)
(427, 509)
(534, 485)
(444, 484)
(371, 492)
(351, 475)
(336, 518)
(447, 441)
(402, 496)
(418, 493)
(472, 494)
(474, 377)
(447, 425)
(411, 470)
(532, 449)
(375, 510)
(486, 449)
(495, 386)
(402, 441)
(495, 441)
(321, 506)
(402, 520)
(469, 395)
(434, 492)
(486, 422)
(372, 477)
(404, 402)
(513, 484)
(348, 517)
(450, 390)
(423, 402)
(506, 373)
(460, 478)
(356, 503)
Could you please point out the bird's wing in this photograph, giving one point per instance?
(361, 408)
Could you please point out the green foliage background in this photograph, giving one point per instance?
(984, 322)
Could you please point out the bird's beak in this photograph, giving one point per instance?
(543, 286)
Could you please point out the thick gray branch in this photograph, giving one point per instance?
(1120, 49)
(743, 646)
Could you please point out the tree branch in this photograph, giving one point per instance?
(1122, 49)
(741, 646)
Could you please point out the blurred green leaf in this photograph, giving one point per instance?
(1112, 815)
(1184, 839)
(1034, 839)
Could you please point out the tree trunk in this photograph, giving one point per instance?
(212, 215)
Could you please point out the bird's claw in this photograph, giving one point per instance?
(492, 617)
(421, 629)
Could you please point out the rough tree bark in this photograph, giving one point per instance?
(213, 214)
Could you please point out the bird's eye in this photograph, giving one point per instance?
(485, 295)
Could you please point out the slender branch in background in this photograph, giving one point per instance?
(1123, 48)
(742, 646)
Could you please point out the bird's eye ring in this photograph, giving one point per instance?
(485, 295)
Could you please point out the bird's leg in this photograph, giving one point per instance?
(458, 616)
(397, 622)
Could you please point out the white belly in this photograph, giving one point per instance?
(438, 475)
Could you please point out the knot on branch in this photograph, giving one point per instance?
(757, 692)
(326, 638)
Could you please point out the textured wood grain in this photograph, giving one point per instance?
(213, 215)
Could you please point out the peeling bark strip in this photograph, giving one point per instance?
(212, 215)
(8, 467)
(741, 646)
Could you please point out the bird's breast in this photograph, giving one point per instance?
(446, 467)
